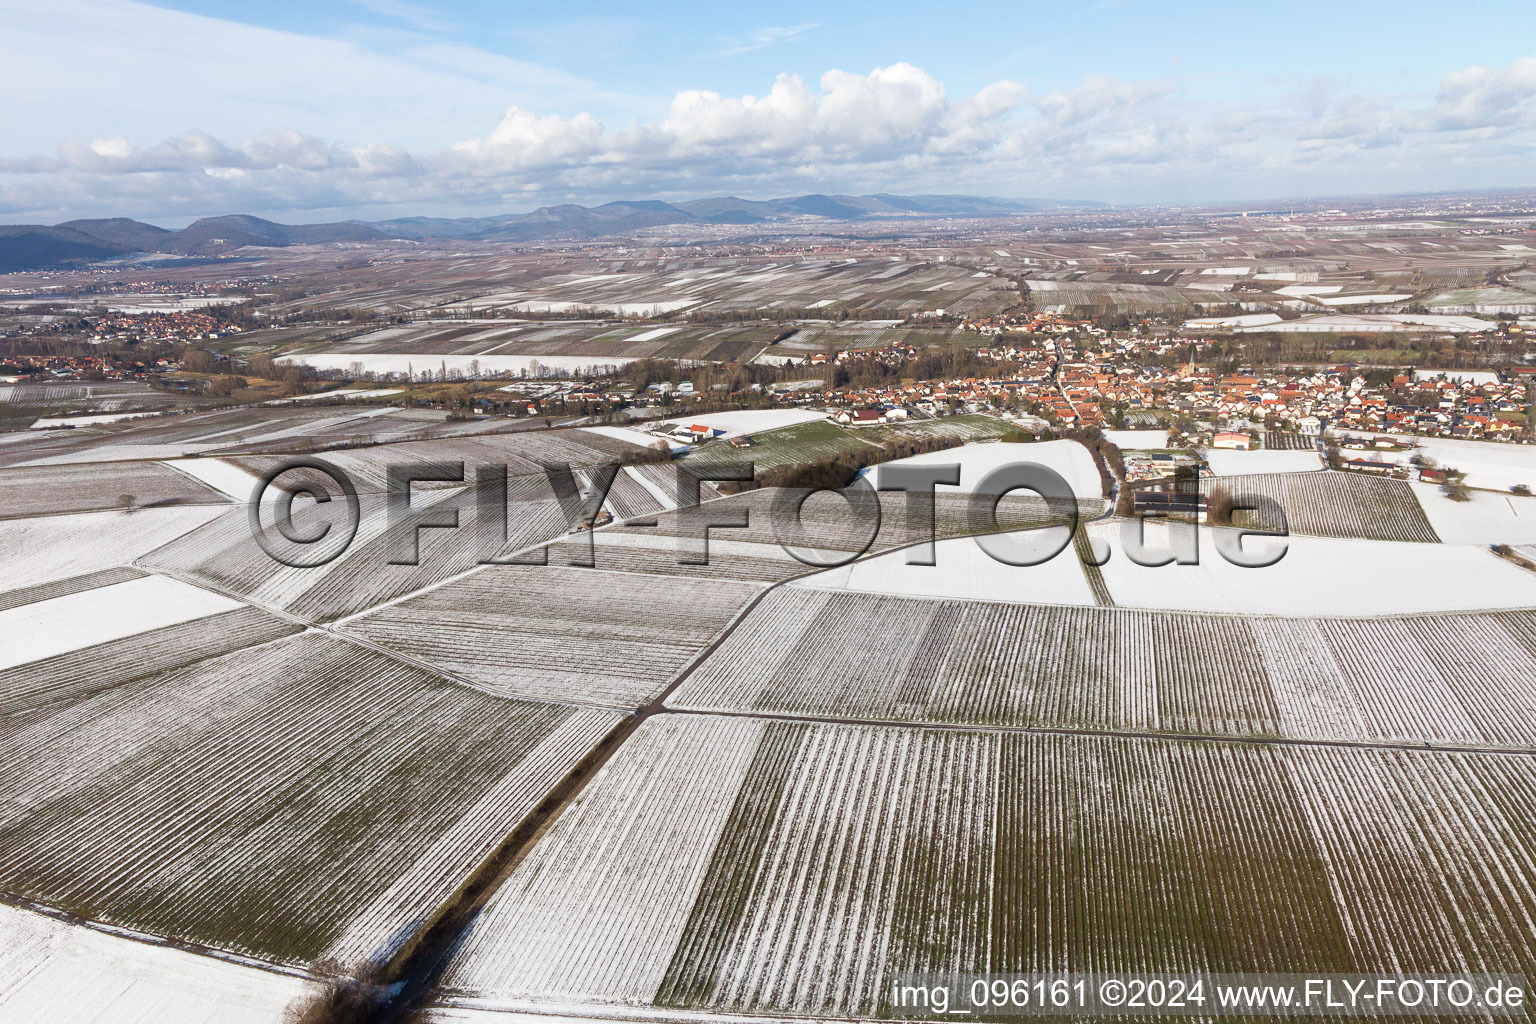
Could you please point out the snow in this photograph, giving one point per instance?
(621, 308)
(663, 499)
(1225, 462)
(222, 476)
(601, 903)
(1487, 518)
(963, 570)
(1478, 377)
(48, 548)
(1360, 300)
(751, 421)
(1068, 458)
(1379, 322)
(654, 333)
(627, 434)
(1135, 440)
(1316, 577)
(766, 358)
(378, 362)
(1298, 290)
(1493, 465)
(341, 393)
(87, 420)
(47, 628)
(74, 974)
(1243, 320)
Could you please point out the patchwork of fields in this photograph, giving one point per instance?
(810, 863)
(257, 796)
(1412, 679)
(94, 486)
(286, 429)
(756, 785)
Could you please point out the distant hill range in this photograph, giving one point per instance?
(37, 246)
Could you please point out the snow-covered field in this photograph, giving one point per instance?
(1067, 458)
(547, 633)
(60, 973)
(1133, 440)
(1492, 465)
(1242, 320)
(621, 869)
(87, 420)
(569, 305)
(963, 570)
(1224, 462)
(385, 363)
(752, 421)
(1380, 322)
(48, 628)
(653, 334)
(1317, 577)
(1487, 518)
(222, 476)
(53, 547)
(1361, 300)
(854, 853)
(339, 393)
(309, 799)
(806, 653)
(628, 434)
(1478, 377)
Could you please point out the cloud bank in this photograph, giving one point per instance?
(894, 127)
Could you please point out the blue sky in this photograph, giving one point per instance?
(383, 108)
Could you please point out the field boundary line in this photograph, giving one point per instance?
(1420, 746)
(152, 939)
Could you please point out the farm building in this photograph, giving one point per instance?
(1232, 439)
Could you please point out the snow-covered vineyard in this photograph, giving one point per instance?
(810, 863)
(798, 518)
(1456, 679)
(84, 488)
(234, 430)
(1329, 504)
(753, 786)
(524, 454)
(225, 555)
(252, 801)
(539, 631)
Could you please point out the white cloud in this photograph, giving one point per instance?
(764, 37)
(895, 127)
(1480, 97)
